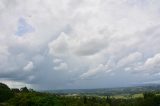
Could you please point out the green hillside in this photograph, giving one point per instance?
(29, 97)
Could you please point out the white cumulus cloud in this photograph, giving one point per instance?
(29, 66)
(67, 42)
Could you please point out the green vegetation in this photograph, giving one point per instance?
(5, 92)
(29, 97)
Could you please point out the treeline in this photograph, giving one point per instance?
(29, 97)
(149, 99)
(26, 97)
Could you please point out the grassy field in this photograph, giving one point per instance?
(140, 95)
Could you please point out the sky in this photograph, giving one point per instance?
(79, 44)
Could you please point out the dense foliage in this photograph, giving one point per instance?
(25, 97)
(5, 92)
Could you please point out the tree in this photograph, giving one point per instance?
(84, 99)
(24, 89)
(108, 100)
(148, 95)
(5, 92)
(15, 90)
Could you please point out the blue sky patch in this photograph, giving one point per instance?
(23, 27)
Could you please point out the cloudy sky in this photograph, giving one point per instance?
(58, 44)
